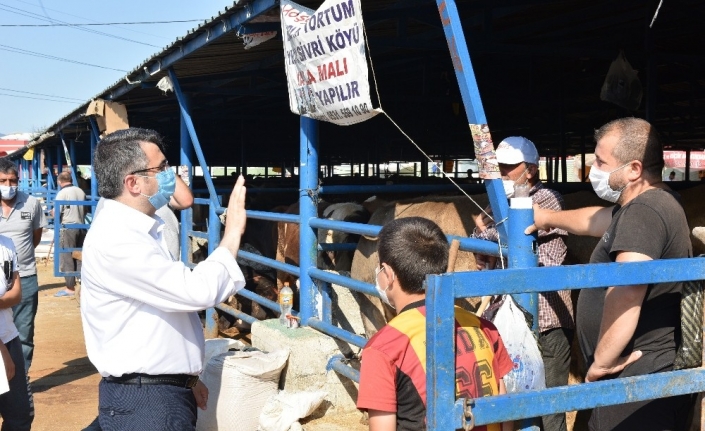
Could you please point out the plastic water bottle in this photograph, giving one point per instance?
(286, 303)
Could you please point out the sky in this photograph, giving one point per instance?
(61, 86)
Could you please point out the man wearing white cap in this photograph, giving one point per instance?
(518, 164)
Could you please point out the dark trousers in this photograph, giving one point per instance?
(145, 407)
(17, 405)
(70, 238)
(663, 414)
(555, 350)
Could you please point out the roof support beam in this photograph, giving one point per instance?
(212, 32)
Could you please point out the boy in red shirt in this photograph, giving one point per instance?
(393, 372)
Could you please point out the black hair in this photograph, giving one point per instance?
(413, 247)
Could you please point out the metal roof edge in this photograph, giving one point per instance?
(231, 18)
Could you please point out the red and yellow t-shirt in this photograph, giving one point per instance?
(393, 372)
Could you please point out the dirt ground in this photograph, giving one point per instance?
(64, 382)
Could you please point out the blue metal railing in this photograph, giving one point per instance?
(445, 412)
(58, 249)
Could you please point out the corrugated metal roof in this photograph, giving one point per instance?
(539, 64)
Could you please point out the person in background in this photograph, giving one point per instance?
(22, 221)
(392, 374)
(138, 305)
(69, 238)
(518, 162)
(672, 176)
(16, 406)
(630, 330)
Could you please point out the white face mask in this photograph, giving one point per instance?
(509, 184)
(600, 181)
(382, 292)
(8, 192)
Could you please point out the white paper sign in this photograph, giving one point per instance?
(326, 68)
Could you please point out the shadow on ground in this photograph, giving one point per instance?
(51, 286)
(74, 369)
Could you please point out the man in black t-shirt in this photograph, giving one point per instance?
(630, 330)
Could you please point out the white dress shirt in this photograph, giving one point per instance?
(8, 330)
(138, 305)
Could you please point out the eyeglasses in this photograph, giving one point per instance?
(161, 168)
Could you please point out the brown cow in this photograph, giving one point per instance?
(288, 244)
(445, 211)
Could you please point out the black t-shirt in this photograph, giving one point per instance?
(652, 224)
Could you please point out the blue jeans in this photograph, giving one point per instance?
(16, 406)
(24, 314)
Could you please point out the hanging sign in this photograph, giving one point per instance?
(326, 68)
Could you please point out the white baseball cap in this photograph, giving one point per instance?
(517, 149)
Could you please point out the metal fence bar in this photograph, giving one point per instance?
(467, 244)
(337, 364)
(336, 332)
(547, 279)
(236, 313)
(263, 215)
(341, 280)
(337, 246)
(286, 267)
(57, 226)
(583, 396)
(261, 300)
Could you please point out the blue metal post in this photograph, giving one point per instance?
(188, 123)
(308, 209)
(59, 164)
(25, 174)
(186, 160)
(213, 241)
(36, 171)
(522, 254)
(72, 156)
(95, 136)
(50, 172)
(440, 354)
(470, 94)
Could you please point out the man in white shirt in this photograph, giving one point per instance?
(139, 306)
(16, 406)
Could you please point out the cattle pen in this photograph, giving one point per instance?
(224, 102)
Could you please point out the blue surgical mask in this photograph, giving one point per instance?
(167, 185)
(8, 192)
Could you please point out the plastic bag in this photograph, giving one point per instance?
(622, 86)
(528, 372)
(284, 409)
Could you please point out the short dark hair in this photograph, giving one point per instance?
(638, 140)
(120, 153)
(8, 167)
(413, 247)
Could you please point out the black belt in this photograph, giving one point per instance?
(181, 380)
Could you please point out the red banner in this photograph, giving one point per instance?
(676, 159)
